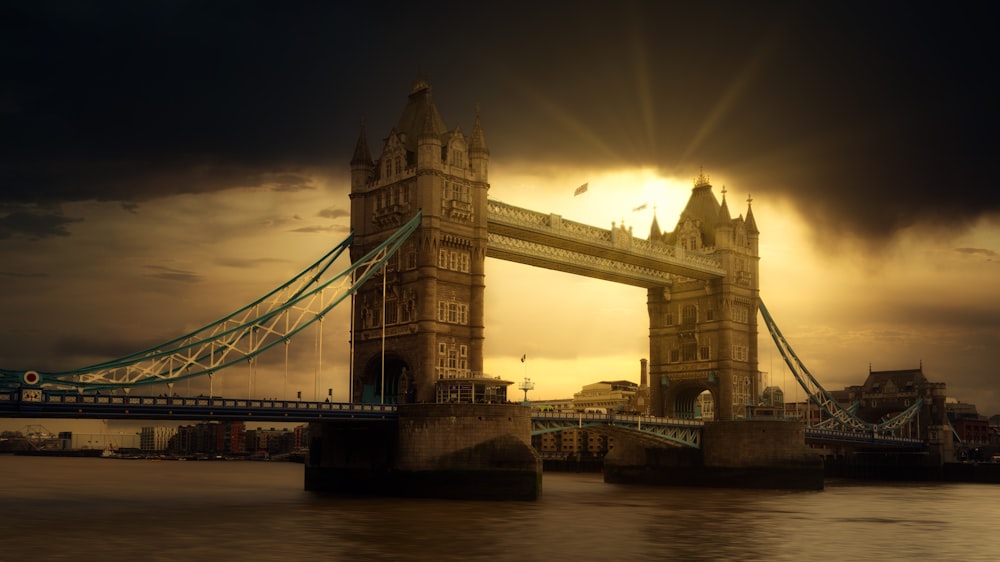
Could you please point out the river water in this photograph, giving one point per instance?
(142, 510)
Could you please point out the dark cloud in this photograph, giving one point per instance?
(983, 252)
(289, 182)
(334, 213)
(249, 263)
(321, 229)
(34, 224)
(171, 274)
(871, 117)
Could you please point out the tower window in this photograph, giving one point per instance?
(689, 315)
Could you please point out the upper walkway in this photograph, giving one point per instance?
(550, 241)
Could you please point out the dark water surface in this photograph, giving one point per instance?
(141, 510)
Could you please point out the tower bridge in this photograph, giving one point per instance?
(423, 224)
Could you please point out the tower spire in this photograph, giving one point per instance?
(750, 222)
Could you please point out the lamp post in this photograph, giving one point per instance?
(526, 386)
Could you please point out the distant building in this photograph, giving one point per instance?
(606, 396)
(155, 438)
(560, 405)
(572, 444)
(211, 438)
(268, 442)
(772, 397)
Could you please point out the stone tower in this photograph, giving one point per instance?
(429, 325)
(703, 334)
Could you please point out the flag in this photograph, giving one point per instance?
(523, 357)
(581, 189)
(639, 208)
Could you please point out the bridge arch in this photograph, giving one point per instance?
(397, 387)
(682, 401)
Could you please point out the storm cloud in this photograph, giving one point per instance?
(869, 117)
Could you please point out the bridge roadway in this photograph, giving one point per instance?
(36, 403)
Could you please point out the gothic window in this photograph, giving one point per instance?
(741, 313)
(453, 312)
(391, 311)
(406, 311)
(454, 260)
(689, 351)
(399, 167)
(689, 315)
(704, 353)
(675, 355)
(670, 316)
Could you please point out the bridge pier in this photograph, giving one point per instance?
(734, 454)
(452, 451)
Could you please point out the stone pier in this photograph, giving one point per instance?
(456, 451)
(733, 454)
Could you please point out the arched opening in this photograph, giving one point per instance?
(395, 388)
(695, 402)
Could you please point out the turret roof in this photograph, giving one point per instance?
(419, 115)
(361, 153)
(702, 208)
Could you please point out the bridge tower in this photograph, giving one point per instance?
(703, 334)
(421, 319)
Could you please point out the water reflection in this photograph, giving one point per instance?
(68, 509)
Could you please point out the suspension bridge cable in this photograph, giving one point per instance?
(244, 334)
(839, 415)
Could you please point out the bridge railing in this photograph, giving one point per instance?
(861, 437)
(83, 401)
(614, 417)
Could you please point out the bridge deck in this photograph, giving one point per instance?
(44, 404)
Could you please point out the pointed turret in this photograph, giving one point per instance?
(724, 216)
(429, 143)
(753, 235)
(751, 223)
(362, 165)
(724, 226)
(655, 233)
(479, 153)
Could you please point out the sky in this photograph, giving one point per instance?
(165, 163)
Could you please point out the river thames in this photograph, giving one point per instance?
(114, 509)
